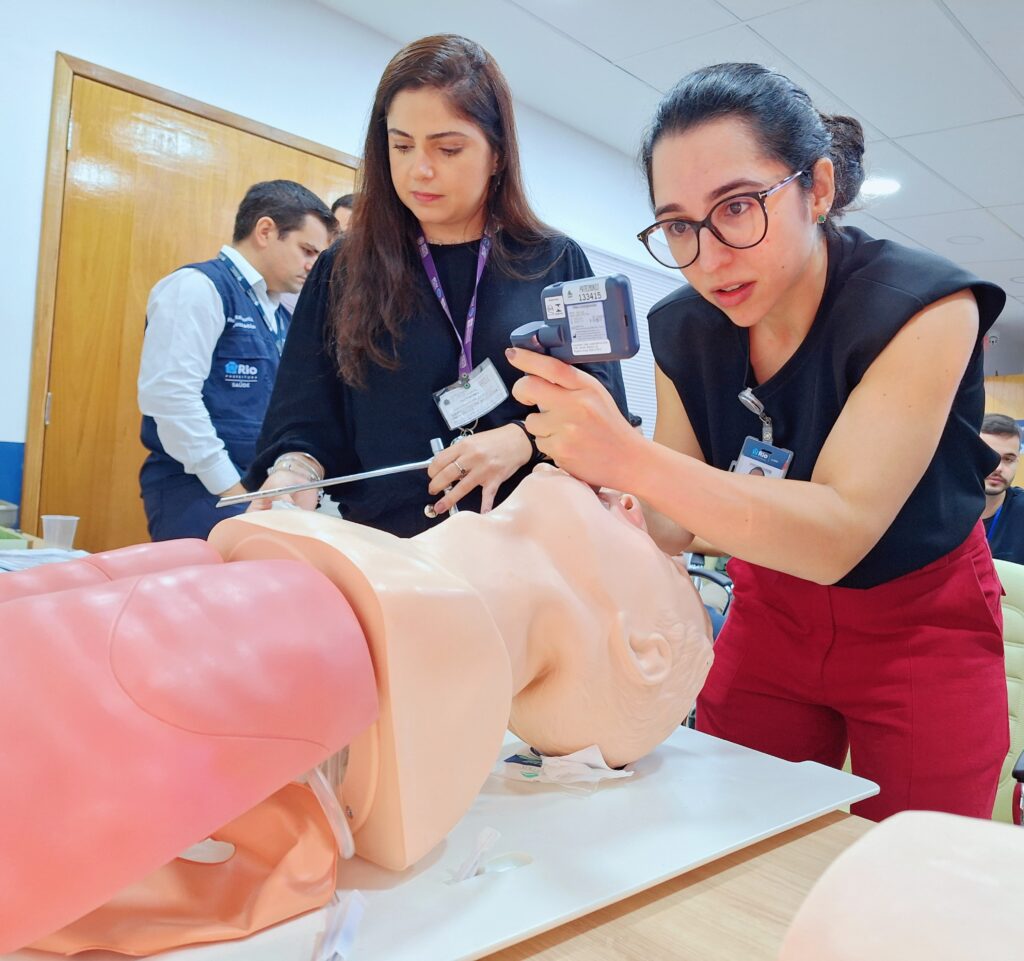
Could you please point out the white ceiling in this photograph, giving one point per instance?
(938, 85)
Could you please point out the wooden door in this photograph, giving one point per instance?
(148, 188)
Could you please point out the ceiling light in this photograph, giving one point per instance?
(964, 240)
(878, 187)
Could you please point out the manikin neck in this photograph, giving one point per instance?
(513, 603)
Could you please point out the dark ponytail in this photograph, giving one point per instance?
(778, 112)
(846, 149)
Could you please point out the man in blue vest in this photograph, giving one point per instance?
(214, 335)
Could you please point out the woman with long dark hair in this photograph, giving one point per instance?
(400, 331)
(866, 608)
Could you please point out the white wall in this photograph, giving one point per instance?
(292, 64)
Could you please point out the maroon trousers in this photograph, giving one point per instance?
(909, 675)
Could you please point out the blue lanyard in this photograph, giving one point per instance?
(466, 342)
(280, 329)
(995, 520)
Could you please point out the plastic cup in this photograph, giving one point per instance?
(59, 530)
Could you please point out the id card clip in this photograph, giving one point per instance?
(472, 396)
(748, 400)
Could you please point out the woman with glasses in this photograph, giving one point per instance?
(399, 334)
(866, 609)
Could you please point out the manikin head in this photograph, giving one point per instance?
(608, 640)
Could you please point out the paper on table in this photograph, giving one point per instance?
(23, 560)
(585, 765)
(581, 770)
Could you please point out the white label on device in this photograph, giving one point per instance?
(554, 307)
(588, 332)
(585, 291)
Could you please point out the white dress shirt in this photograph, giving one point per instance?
(185, 318)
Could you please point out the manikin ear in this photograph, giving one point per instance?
(645, 658)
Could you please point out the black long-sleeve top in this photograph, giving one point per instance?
(392, 419)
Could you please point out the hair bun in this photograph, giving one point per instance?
(847, 154)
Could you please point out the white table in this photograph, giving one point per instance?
(693, 800)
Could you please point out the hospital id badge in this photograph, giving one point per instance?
(760, 458)
(462, 403)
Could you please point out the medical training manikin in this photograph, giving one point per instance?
(162, 694)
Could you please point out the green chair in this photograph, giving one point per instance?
(1012, 578)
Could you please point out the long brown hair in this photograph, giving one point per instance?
(374, 278)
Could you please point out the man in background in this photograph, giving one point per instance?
(342, 210)
(214, 335)
(1003, 515)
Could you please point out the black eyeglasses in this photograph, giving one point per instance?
(739, 221)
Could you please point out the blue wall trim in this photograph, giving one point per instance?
(12, 460)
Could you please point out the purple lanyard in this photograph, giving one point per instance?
(465, 343)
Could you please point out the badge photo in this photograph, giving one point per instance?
(761, 459)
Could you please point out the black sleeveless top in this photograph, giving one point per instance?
(873, 288)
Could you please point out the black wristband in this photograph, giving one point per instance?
(536, 454)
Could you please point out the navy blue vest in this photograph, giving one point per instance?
(242, 374)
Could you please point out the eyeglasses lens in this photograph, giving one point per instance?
(737, 221)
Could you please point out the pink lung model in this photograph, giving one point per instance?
(141, 713)
(106, 567)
